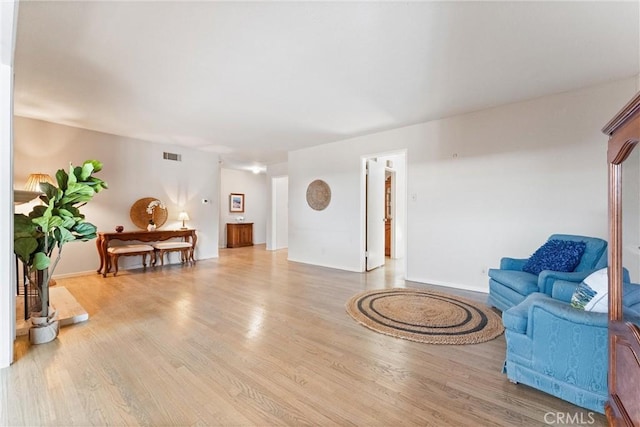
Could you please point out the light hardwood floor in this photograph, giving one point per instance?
(252, 339)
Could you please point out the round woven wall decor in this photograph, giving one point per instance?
(140, 217)
(318, 195)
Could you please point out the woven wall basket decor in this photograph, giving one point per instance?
(140, 217)
(318, 195)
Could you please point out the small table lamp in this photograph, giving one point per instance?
(34, 180)
(183, 216)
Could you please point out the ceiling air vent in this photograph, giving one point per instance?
(172, 156)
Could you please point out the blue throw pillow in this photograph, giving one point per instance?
(556, 255)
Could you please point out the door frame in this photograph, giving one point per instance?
(375, 212)
(272, 220)
(400, 227)
(272, 239)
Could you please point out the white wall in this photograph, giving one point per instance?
(330, 237)
(480, 186)
(274, 171)
(280, 193)
(8, 16)
(256, 202)
(133, 169)
(631, 214)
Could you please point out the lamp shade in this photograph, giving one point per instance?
(183, 216)
(34, 180)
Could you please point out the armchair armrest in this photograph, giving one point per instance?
(564, 312)
(547, 278)
(547, 281)
(563, 290)
(512, 263)
(631, 316)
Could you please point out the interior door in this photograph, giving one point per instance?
(375, 214)
(387, 216)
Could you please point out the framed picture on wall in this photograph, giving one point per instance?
(236, 202)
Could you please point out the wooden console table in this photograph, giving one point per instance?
(102, 242)
(239, 234)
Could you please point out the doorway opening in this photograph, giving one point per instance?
(279, 236)
(389, 209)
(384, 201)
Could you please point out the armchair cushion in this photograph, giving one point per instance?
(556, 255)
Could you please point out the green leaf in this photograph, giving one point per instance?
(86, 171)
(43, 223)
(50, 190)
(97, 165)
(65, 213)
(24, 247)
(68, 223)
(75, 212)
(41, 261)
(38, 211)
(76, 193)
(54, 222)
(62, 178)
(85, 230)
(72, 177)
(77, 171)
(97, 184)
(23, 226)
(63, 236)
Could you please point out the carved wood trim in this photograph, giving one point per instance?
(623, 406)
(624, 339)
(619, 150)
(615, 241)
(623, 116)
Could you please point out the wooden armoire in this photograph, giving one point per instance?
(623, 407)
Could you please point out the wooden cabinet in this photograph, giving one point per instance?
(239, 234)
(623, 408)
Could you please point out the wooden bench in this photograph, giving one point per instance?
(115, 252)
(185, 249)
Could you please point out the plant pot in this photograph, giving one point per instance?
(44, 329)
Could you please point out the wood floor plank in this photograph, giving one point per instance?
(253, 339)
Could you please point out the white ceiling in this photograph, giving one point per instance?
(252, 81)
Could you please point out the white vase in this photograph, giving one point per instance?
(44, 329)
(151, 227)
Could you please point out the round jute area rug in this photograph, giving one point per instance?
(425, 316)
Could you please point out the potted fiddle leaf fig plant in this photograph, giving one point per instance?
(48, 228)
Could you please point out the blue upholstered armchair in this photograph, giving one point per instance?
(509, 285)
(561, 350)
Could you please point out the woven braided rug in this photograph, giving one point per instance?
(425, 316)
